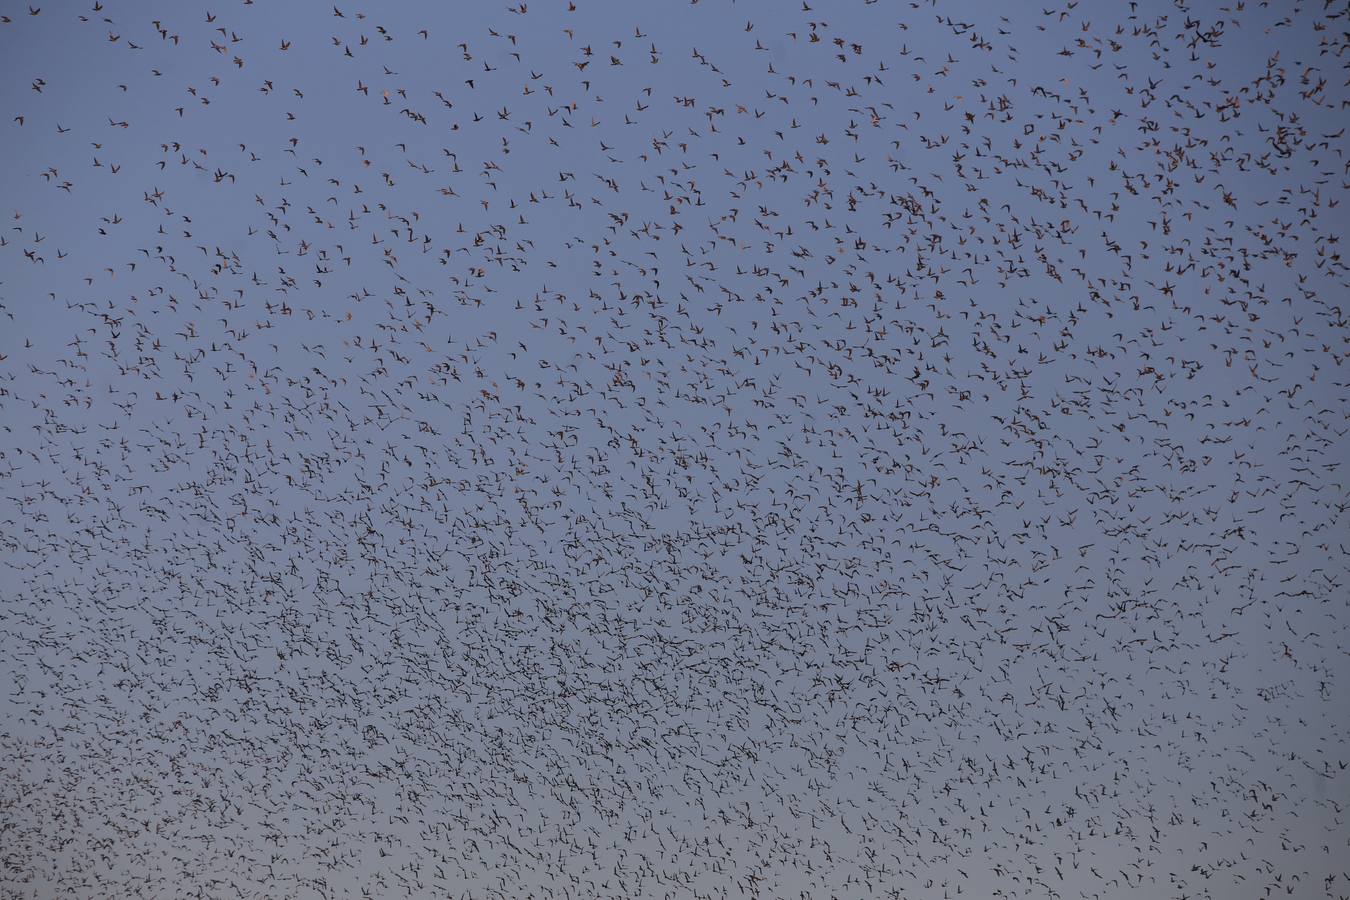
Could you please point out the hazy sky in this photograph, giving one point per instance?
(683, 450)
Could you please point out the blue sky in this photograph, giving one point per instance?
(612, 451)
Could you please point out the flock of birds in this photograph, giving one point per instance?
(609, 450)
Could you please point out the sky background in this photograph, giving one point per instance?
(683, 450)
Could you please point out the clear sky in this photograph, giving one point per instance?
(601, 449)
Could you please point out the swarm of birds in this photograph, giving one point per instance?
(613, 450)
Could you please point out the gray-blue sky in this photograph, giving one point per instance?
(625, 451)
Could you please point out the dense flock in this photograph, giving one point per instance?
(615, 450)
